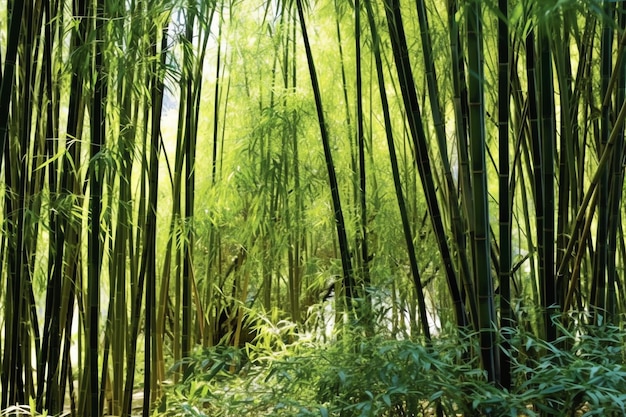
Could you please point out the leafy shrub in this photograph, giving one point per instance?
(581, 374)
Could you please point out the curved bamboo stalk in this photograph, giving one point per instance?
(406, 225)
(332, 177)
(10, 361)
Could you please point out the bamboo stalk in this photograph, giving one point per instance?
(505, 197)
(421, 157)
(480, 222)
(332, 177)
(408, 234)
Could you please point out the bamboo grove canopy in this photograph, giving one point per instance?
(168, 168)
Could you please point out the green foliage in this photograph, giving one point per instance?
(582, 373)
(165, 185)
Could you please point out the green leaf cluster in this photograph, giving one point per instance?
(581, 374)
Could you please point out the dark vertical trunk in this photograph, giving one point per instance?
(96, 179)
(51, 343)
(11, 364)
(505, 197)
(479, 223)
(332, 177)
(406, 224)
(361, 146)
(421, 157)
(535, 153)
(616, 184)
(598, 293)
(548, 143)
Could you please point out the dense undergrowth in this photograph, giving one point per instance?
(581, 374)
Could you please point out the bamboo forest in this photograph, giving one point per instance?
(312, 208)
